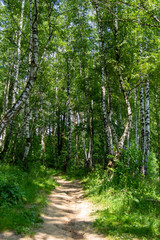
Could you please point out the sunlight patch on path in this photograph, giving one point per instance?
(67, 217)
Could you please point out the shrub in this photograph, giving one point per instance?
(153, 166)
(10, 193)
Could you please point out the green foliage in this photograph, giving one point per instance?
(126, 211)
(10, 194)
(127, 167)
(22, 197)
(76, 36)
(153, 166)
(21, 219)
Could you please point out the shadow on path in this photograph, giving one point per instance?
(67, 216)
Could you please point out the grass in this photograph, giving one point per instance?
(125, 212)
(125, 207)
(23, 197)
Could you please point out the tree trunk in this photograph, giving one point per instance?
(110, 125)
(27, 130)
(89, 161)
(6, 101)
(147, 129)
(77, 148)
(15, 75)
(84, 147)
(136, 128)
(105, 115)
(142, 117)
(124, 91)
(104, 74)
(43, 132)
(60, 131)
(136, 123)
(27, 106)
(69, 116)
(126, 132)
(18, 56)
(6, 119)
(90, 152)
(83, 139)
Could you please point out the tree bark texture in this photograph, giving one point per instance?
(15, 85)
(142, 118)
(124, 91)
(147, 128)
(104, 74)
(6, 119)
(69, 114)
(27, 131)
(6, 101)
(27, 105)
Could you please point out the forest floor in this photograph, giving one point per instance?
(68, 216)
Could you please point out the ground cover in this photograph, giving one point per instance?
(23, 197)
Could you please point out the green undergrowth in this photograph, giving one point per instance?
(23, 197)
(124, 208)
(75, 173)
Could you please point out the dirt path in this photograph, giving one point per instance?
(67, 216)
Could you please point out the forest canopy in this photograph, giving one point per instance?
(80, 85)
(80, 97)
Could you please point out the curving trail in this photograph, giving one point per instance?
(67, 216)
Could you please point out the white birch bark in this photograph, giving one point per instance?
(105, 115)
(27, 130)
(147, 129)
(5, 120)
(83, 139)
(27, 105)
(136, 118)
(128, 124)
(124, 91)
(77, 148)
(121, 124)
(84, 146)
(88, 155)
(5, 101)
(112, 131)
(54, 127)
(43, 145)
(136, 127)
(69, 115)
(142, 118)
(18, 56)
(42, 141)
(107, 129)
(90, 152)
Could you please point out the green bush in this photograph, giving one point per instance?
(127, 204)
(10, 193)
(153, 166)
(22, 197)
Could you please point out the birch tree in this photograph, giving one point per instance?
(27, 105)
(6, 119)
(33, 70)
(18, 56)
(69, 125)
(147, 128)
(104, 75)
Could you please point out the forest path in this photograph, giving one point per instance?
(67, 216)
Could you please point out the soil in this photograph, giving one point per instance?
(67, 217)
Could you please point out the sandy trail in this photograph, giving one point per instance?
(67, 216)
